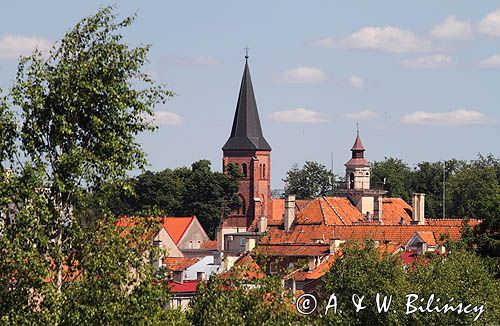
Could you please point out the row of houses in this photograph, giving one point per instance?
(288, 232)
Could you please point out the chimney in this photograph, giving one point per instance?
(418, 203)
(156, 260)
(262, 225)
(289, 211)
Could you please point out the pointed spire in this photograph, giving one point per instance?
(358, 145)
(358, 153)
(247, 131)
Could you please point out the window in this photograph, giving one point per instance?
(351, 181)
(243, 242)
(263, 171)
(244, 166)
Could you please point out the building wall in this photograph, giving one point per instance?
(168, 244)
(193, 237)
(256, 184)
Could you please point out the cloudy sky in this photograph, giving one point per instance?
(422, 78)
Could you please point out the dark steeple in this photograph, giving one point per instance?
(246, 133)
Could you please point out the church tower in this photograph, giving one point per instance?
(248, 148)
(358, 168)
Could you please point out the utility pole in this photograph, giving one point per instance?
(444, 189)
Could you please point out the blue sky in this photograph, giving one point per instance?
(421, 78)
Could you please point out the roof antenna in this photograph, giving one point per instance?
(246, 48)
(357, 128)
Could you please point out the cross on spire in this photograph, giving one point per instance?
(246, 48)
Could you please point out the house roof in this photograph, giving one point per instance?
(209, 244)
(301, 250)
(318, 272)
(246, 268)
(393, 209)
(427, 237)
(246, 133)
(176, 226)
(179, 264)
(397, 234)
(185, 287)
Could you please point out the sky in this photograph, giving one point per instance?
(422, 78)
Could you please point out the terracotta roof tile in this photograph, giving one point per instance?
(209, 244)
(176, 226)
(301, 250)
(395, 208)
(179, 264)
(428, 237)
(318, 272)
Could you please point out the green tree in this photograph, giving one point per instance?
(364, 270)
(78, 111)
(232, 301)
(396, 177)
(311, 181)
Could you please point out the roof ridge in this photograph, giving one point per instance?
(334, 210)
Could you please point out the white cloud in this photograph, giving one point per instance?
(11, 47)
(327, 42)
(452, 118)
(361, 115)
(452, 29)
(430, 61)
(201, 60)
(491, 62)
(356, 81)
(299, 115)
(388, 39)
(490, 24)
(163, 118)
(302, 75)
(206, 60)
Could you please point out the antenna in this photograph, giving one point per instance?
(444, 189)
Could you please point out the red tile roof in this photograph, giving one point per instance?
(179, 264)
(399, 234)
(185, 287)
(301, 250)
(176, 226)
(395, 208)
(428, 237)
(245, 268)
(318, 272)
(278, 207)
(209, 244)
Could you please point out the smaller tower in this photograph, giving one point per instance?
(358, 169)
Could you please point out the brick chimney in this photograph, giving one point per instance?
(418, 205)
(289, 211)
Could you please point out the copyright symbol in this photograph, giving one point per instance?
(306, 304)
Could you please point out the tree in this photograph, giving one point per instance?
(364, 270)
(78, 110)
(183, 191)
(311, 181)
(232, 301)
(396, 177)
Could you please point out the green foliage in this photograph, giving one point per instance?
(311, 181)
(364, 270)
(230, 301)
(395, 175)
(183, 192)
(72, 132)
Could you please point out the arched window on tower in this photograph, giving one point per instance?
(351, 181)
(244, 167)
(263, 171)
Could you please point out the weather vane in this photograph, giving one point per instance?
(246, 51)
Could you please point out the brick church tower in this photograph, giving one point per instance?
(248, 148)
